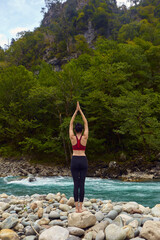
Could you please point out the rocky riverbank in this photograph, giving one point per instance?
(53, 217)
(132, 171)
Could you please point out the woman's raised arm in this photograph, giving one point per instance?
(86, 130)
(71, 132)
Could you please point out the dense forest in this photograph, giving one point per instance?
(105, 56)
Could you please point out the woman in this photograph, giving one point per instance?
(79, 162)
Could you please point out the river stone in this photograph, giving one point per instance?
(3, 195)
(95, 207)
(43, 221)
(50, 196)
(56, 222)
(54, 233)
(9, 222)
(4, 206)
(130, 206)
(100, 235)
(88, 236)
(30, 238)
(129, 231)
(76, 231)
(112, 214)
(145, 210)
(8, 234)
(19, 227)
(87, 204)
(137, 238)
(99, 216)
(63, 200)
(134, 224)
(81, 220)
(54, 215)
(40, 212)
(29, 231)
(98, 227)
(32, 217)
(113, 232)
(125, 218)
(118, 208)
(118, 221)
(73, 238)
(151, 230)
(63, 217)
(64, 207)
(156, 210)
(71, 202)
(107, 208)
(5, 215)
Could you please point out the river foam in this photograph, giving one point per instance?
(145, 193)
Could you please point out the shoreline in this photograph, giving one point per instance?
(37, 217)
(23, 168)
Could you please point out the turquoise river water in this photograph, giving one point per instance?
(145, 193)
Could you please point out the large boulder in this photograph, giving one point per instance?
(151, 230)
(8, 234)
(81, 220)
(54, 233)
(113, 232)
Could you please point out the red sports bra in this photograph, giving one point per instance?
(78, 145)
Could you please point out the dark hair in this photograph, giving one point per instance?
(79, 127)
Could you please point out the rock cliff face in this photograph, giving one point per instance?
(90, 34)
(55, 15)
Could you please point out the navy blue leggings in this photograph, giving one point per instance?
(79, 166)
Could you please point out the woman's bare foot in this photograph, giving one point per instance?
(82, 210)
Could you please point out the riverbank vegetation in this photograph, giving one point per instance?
(117, 83)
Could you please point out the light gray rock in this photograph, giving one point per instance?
(100, 235)
(137, 238)
(118, 221)
(29, 231)
(30, 238)
(9, 222)
(56, 222)
(99, 216)
(54, 215)
(54, 233)
(24, 223)
(73, 238)
(95, 207)
(156, 210)
(112, 214)
(96, 228)
(32, 217)
(113, 232)
(64, 207)
(81, 220)
(63, 217)
(76, 231)
(88, 236)
(118, 208)
(4, 206)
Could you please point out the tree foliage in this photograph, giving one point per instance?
(117, 81)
